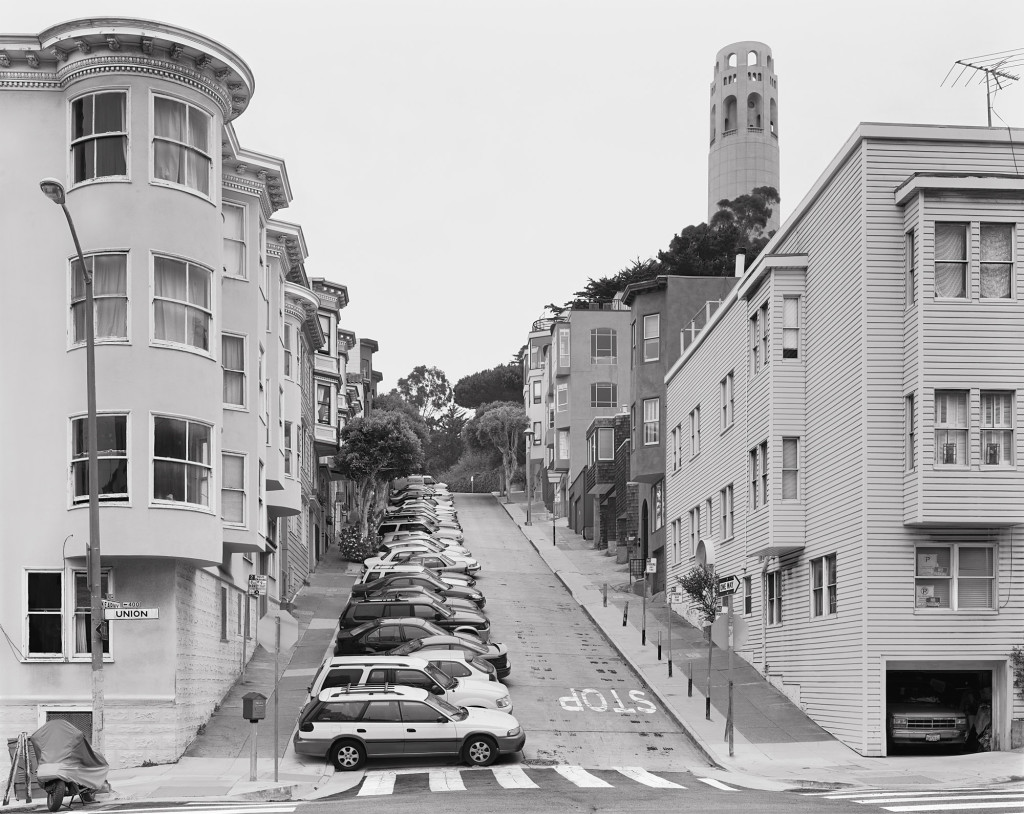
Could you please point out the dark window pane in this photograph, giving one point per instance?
(111, 156)
(386, 711)
(44, 634)
(109, 115)
(418, 712)
(44, 591)
(169, 438)
(81, 117)
(169, 481)
(198, 443)
(81, 157)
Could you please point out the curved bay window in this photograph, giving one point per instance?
(181, 144)
(110, 297)
(182, 307)
(99, 136)
(112, 451)
(181, 461)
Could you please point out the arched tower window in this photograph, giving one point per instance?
(713, 114)
(754, 111)
(729, 115)
(752, 58)
(731, 60)
(773, 117)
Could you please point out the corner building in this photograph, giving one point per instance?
(197, 369)
(857, 464)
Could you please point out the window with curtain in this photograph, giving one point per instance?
(99, 136)
(323, 404)
(951, 428)
(727, 400)
(996, 260)
(951, 260)
(658, 499)
(181, 461)
(112, 451)
(234, 240)
(955, 577)
(182, 307)
(773, 597)
(790, 468)
(537, 434)
(232, 488)
(790, 328)
(181, 144)
(233, 362)
(823, 586)
(83, 612)
(563, 445)
(110, 297)
(603, 346)
(652, 337)
(287, 340)
(996, 428)
(725, 497)
(45, 613)
(562, 398)
(288, 447)
(652, 421)
(603, 394)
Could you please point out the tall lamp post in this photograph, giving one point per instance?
(528, 435)
(54, 190)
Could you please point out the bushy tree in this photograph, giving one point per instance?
(427, 389)
(395, 403)
(499, 383)
(375, 450)
(501, 426)
(444, 445)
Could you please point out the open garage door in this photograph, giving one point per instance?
(938, 711)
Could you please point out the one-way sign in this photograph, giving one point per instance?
(727, 585)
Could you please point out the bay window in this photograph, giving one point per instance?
(323, 404)
(110, 297)
(181, 461)
(99, 136)
(951, 260)
(181, 144)
(955, 577)
(182, 306)
(233, 363)
(232, 488)
(652, 421)
(951, 428)
(112, 451)
(234, 240)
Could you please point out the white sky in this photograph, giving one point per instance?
(458, 164)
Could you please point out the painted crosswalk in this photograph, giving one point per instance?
(383, 782)
(197, 807)
(999, 800)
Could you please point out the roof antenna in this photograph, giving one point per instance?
(995, 67)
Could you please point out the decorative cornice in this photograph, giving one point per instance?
(84, 47)
(5, 60)
(113, 44)
(203, 62)
(61, 56)
(32, 59)
(146, 44)
(177, 51)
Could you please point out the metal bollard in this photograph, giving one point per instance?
(659, 645)
(625, 613)
(606, 594)
(689, 679)
(670, 668)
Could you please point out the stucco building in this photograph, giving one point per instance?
(857, 463)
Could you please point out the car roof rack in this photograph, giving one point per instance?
(347, 689)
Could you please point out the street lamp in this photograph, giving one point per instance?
(54, 190)
(528, 435)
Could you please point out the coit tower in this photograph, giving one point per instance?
(744, 150)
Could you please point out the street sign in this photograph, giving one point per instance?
(257, 584)
(652, 566)
(558, 497)
(131, 613)
(674, 597)
(266, 630)
(727, 585)
(554, 477)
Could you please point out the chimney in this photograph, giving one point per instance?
(741, 261)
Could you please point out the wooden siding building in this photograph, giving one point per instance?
(858, 460)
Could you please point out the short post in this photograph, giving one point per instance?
(643, 624)
(659, 645)
(254, 709)
(606, 594)
(689, 679)
(670, 612)
(728, 716)
(707, 700)
(625, 613)
(252, 753)
(277, 694)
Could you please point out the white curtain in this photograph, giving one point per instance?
(170, 282)
(110, 276)
(169, 119)
(996, 256)
(951, 246)
(233, 353)
(234, 241)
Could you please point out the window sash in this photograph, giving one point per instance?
(955, 577)
(323, 404)
(603, 346)
(563, 347)
(652, 420)
(727, 401)
(112, 452)
(181, 144)
(997, 428)
(562, 398)
(110, 297)
(99, 136)
(234, 240)
(232, 488)
(951, 423)
(44, 614)
(790, 327)
(82, 616)
(182, 303)
(233, 363)
(605, 444)
(951, 260)
(725, 497)
(790, 469)
(652, 337)
(603, 394)
(996, 260)
(910, 258)
(182, 471)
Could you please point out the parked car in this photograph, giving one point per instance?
(454, 550)
(417, 536)
(462, 580)
(413, 591)
(494, 652)
(424, 579)
(407, 524)
(472, 690)
(383, 635)
(349, 725)
(460, 665)
(441, 563)
(358, 611)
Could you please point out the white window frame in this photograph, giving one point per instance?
(728, 518)
(652, 421)
(118, 498)
(677, 533)
(329, 404)
(763, 455)
(728, 404)
(983, 262)
(765, 336)
(561, 398)
(72, 608)
(189, 149)
(773, 598)
(748, 596)
(926, 571)
(791, 327)
(564, 347)
(754, 342)
(288, 445)
(126, 134)
(675, 447)
(608, 444)
(958, 425)
(286, 342)
(74, 275)
(535, 390)
(244, 274)
(658, 501)
(211, 330)
(209, 507)
(611, 354)
(694, 529)
(564, 449)
(910, 262)
(695, 431)
(228, 405)
(996, 424)
(791, 468)
(964, 263)
(244, 489)
(824, 586)
(910, 421)
(27, 655)
(652, 337)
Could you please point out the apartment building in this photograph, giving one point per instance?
(362, 373)
(538, 345)
(857, 462)
(207, 328)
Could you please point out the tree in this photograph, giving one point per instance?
(376, 449)
(444, 445)
(393, 402)
(750, 213)
(604, 289)
(499, 383)
(701, 586)
(501, 425)
(427, 389)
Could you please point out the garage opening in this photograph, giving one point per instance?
(938, 711)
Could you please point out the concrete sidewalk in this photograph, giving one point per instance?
(775, 744)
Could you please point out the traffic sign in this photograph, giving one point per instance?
(554, 476)
(266, 630)
(130, 613)
(257, 584)
(727, 585)
(674, 597)
(652, 566)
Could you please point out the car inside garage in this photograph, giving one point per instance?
(931, 711)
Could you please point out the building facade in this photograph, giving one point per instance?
(206, 329)
(857, 465)
(744, 152)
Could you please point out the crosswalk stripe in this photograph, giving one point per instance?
(715, 784)
(938, 797)
(646, 778)
(963, 805)
(446, 780)
(868, 792)
(375, 783)
(512, 777)
(582, 778)
(214, 808)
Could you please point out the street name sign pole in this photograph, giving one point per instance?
(727, 588)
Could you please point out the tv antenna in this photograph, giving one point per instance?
(996, 69)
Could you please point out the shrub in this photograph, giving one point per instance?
(356, 548)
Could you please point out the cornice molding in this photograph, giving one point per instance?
(249, 187)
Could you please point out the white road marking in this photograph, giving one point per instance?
(964, 805)
(512, 777)
(239, 808)
(581, 777)
(646, 778)
(446, 780)
(374, 783)
(939, 796)
(716, 784)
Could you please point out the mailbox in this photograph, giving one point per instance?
(254, 706)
